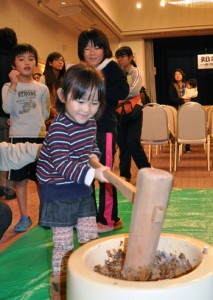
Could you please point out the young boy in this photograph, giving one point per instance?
(191, 89)
(27, 102)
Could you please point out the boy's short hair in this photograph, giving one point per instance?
(21, 49)
(192, 82)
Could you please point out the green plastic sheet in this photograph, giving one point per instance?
(25, 266)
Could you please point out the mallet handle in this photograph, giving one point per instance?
(126, 188)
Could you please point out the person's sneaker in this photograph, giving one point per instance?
(119, 224)
(188, 149)
(10, 194)
(23, 224)
(104, 228)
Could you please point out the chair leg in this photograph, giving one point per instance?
(208, 152)
(170, 157)
(150, 153)
(180, 151)
(175, 162)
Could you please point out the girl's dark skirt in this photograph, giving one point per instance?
(65, 213)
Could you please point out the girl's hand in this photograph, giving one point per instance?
(99, 174)
(94, 156)
(14, 77)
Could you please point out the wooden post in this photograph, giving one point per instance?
(152, 195)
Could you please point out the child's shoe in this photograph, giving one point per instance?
(58, 288)
(23, 224)
(119, 224)
(104, 228)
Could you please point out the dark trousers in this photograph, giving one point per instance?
(129, 135)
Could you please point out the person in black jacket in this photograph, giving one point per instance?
(176, 93)
(8, 40)
(177, 89)
(94, 48)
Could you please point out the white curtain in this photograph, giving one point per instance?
(150, 76)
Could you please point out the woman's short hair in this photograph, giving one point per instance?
(125, 50)
(98, 38)
(181, 72)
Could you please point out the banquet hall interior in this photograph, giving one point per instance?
(164, 35)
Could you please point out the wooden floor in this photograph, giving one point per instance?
(191, 173)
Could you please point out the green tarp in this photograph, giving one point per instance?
(25, 266)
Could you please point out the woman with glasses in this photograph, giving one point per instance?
(53, 76)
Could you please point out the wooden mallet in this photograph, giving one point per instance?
(150, 202)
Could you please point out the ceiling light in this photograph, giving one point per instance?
(163, 3)
(192, 3)
(138, 5)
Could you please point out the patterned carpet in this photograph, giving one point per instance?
(26, 264)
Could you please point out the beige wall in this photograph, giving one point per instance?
(48, 36)
(35, 28)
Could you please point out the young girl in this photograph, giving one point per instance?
(129, 129)
(94, 48)
(64, 173)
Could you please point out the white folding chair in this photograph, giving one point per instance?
(155, 130)
(192, 129)
(171, 116)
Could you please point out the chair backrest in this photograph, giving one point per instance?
(174, 111)
(210, 121)
(191, 122)
(207, 109)
(171, 119)
(155, 124)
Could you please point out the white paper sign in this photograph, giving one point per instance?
(205, 61)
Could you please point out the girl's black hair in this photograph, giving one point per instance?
(98, 38)
(181, 72)
(21, 49)
(78, 80)
(50, 79)
(125, 50)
